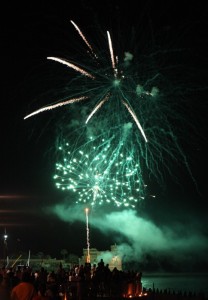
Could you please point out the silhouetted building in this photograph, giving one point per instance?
(109, 257)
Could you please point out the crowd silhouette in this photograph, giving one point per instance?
(79, 282)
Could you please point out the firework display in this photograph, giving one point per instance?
(134, 121)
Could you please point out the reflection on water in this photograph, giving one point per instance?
(183, 282)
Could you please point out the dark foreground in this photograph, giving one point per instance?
(82, 283)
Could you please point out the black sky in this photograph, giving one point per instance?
(30, 33)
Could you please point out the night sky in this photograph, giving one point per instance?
(174, 224)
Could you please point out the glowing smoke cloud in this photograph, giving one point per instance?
(141, 235)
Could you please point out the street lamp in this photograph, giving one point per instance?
(5, 244)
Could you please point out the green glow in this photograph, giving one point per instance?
(116, 82)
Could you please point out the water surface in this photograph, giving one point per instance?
(184, 282)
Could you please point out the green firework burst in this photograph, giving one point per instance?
(100, 174)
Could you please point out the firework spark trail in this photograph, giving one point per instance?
(50, 107)
(97, 107)
(88, 235)
(111, 53)
(71, 65)
(135, 119)
(84, 38)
